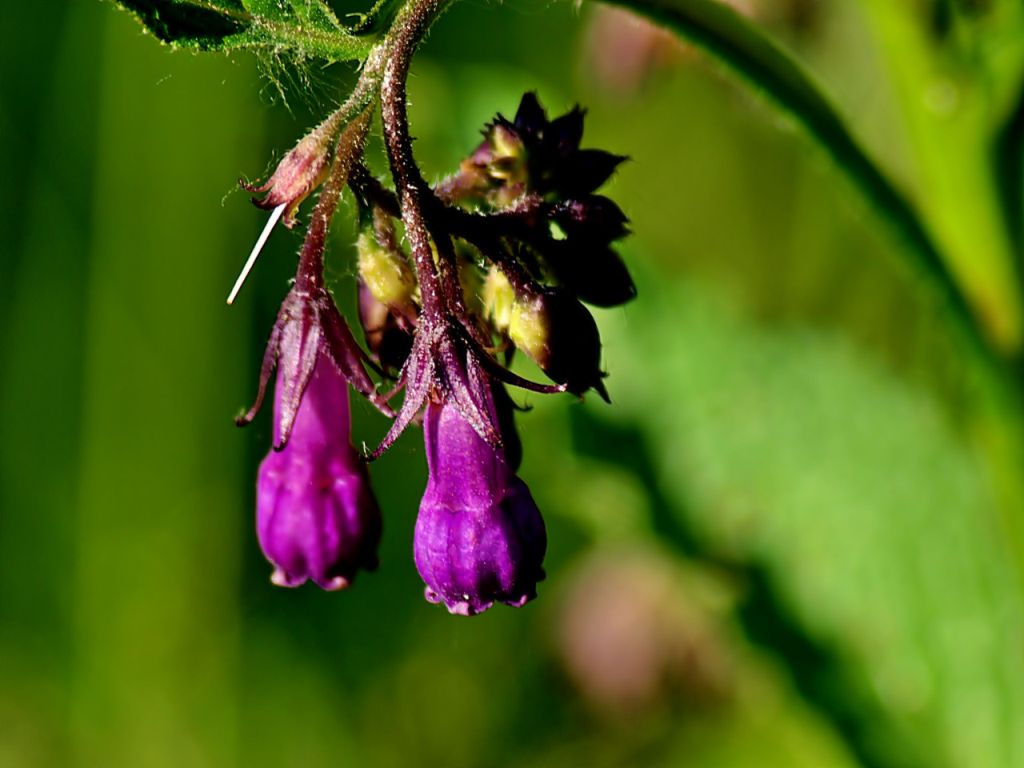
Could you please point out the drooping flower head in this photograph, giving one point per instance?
(501, 258)
(479, 536)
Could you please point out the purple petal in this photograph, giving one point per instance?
(316, 515)
(479, 536)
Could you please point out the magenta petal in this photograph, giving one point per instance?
(316, 516)
(479, 537)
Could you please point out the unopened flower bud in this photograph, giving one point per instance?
(497, 170)
(385, 272)
(560, 335)
(554, 158)
(531, 119)
(300, 172)
(584, 171)
(593, 218)
(479, 536)
(594, 272)
(564, 134)
(316, 516)
(388, 332)
(506, 156)
(498, 297)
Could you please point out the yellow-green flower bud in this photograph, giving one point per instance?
(386, 273)
(498, 298)
(558, 333)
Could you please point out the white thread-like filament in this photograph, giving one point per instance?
(274, 216)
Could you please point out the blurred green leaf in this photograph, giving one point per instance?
(871, 517)
(306, 28)
(160, 484)
(729, 37)
(1009, 172)
(956, 92)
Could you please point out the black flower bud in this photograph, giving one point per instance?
(592, 271)
(558, 333)
(530, 117)
(594, 218)
(584, 171)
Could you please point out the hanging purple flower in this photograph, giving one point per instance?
(316, 516)
(479, 536)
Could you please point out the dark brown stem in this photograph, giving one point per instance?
(371, 192)
(484, 230)
(309, 276)
(406, 34)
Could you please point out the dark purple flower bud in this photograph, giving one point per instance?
(560, 335)
(584, 171)
(388, 332)
(316, 516)
(300, 172)
(530, 117)
(564, 134)
(592, 271)
(479, 537)
(593, 218)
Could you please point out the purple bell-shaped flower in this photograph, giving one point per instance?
(316, 516)
(479, 536)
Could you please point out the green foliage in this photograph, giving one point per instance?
(797, 452)
(304, 28)
(787, 449)
(959, 87)
(771, 70)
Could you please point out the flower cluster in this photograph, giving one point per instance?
(498, 258)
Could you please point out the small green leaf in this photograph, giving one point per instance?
(305, 28)
(203, 25)
(317, 13)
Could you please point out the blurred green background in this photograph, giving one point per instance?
(795, 538)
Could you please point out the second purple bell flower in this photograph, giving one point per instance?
(479, 537)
